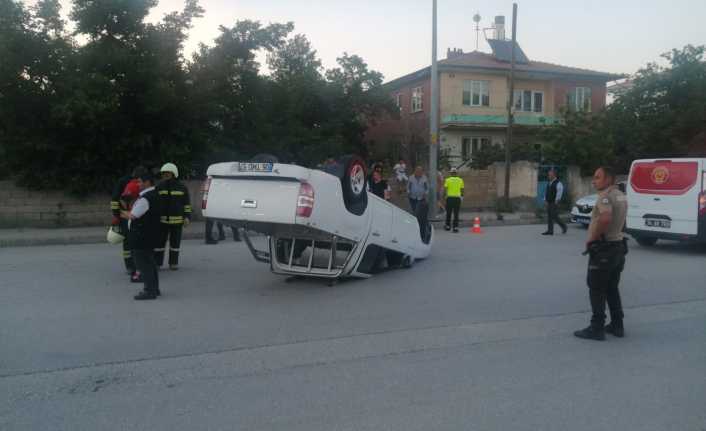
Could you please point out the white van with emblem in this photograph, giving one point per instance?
(667, 200)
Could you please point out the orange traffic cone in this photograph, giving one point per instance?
(476, 225)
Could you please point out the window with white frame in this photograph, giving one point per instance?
(579, 99)
(398, 101)
(471, 145)
(416, 99)
(476, 93)
(529, 101)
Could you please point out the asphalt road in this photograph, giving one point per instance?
(478, 337)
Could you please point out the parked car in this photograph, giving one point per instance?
(582, 209)
(318, 224)
(667, 200)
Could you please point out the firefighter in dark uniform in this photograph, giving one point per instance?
(116, 205)
(175, 213)
(144, 235)
(607, 248)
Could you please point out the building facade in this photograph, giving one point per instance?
(473, 99)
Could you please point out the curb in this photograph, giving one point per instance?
(493, 223)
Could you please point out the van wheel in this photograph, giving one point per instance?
(354, 184)
(646, 241)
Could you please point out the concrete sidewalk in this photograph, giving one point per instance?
(25, 237)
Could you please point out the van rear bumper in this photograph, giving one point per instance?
(699, 237)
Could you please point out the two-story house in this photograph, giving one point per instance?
(473, 95)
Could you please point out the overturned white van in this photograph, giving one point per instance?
(318, 224)
(667, 200)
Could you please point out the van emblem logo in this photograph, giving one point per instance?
(660, 175)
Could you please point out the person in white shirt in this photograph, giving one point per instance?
(400, 170)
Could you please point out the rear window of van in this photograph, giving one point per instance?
(664, 177)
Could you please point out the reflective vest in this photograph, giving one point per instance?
(453, 186)
(174, 202)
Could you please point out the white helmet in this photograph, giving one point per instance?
(170, 167)
(114, 237)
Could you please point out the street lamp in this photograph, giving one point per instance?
(433, 120)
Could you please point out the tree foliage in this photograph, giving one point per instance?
(78, 115)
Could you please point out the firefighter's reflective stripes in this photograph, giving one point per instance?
(127, 254)
(187, 209)
(171, 192)
(171, 219)
(114, 205)
(173, 233)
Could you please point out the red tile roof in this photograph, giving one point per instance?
(483, 61)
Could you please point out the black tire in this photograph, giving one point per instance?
(354, 183)
(646, 241)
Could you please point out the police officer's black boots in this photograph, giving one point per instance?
(591, 333)
(615, 328)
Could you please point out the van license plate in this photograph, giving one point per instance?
(254, 167)
(666, 224)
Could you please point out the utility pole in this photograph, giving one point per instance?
(433, 120)
(510, 103)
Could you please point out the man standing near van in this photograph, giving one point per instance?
(607, 248)
(417, 188)
(552, 197)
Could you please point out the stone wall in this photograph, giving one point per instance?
(523, 179)
(27, 208)
(481, 189)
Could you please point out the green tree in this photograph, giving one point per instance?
(357, 99)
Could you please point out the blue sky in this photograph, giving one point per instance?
(393, 36)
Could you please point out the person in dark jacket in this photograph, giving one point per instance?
(117, 204)
(552, 197)
(378, 186)
(144, 235)
(175, 208)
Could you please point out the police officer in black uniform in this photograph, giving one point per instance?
(607, 248)
(144, 235)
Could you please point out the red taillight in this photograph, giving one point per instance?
(204, 190)
(702, 203)
(305, 200)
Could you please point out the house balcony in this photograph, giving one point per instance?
(451, 122)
